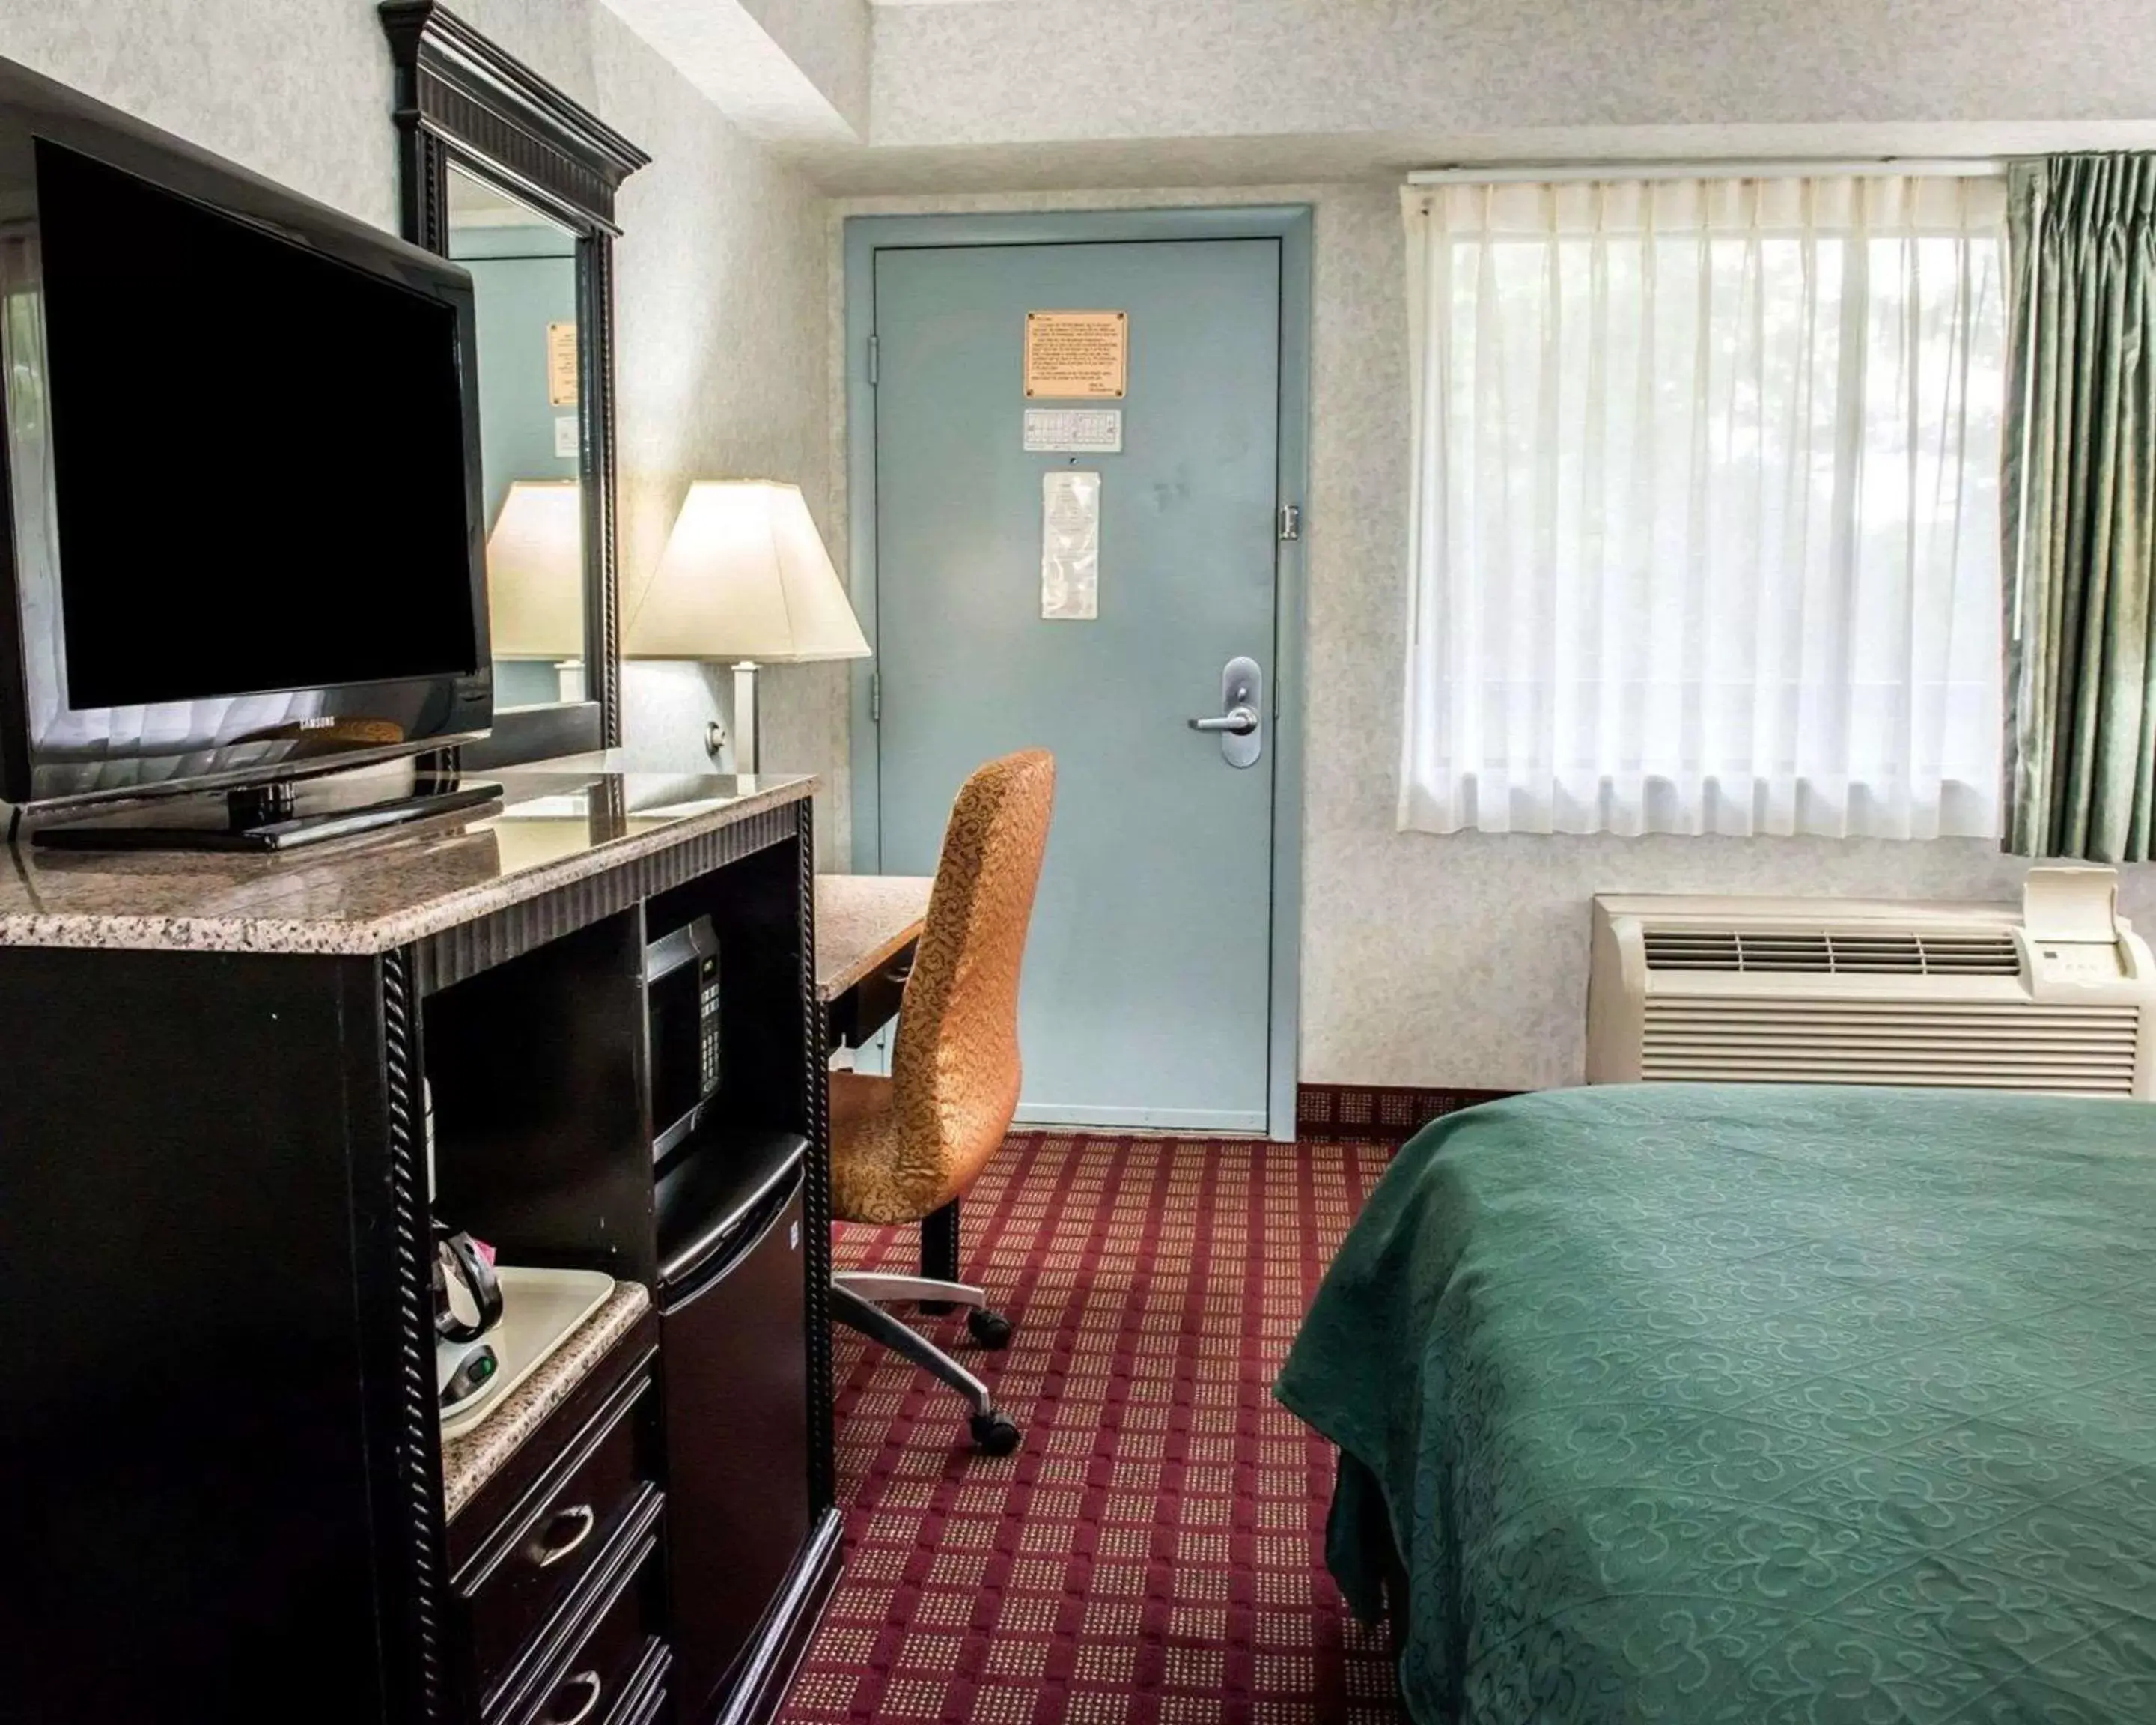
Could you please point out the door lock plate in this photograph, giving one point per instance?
(1240, 723)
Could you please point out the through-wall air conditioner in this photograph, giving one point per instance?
(2056, 994)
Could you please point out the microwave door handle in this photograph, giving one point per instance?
(684, 946)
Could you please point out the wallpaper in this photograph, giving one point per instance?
(720, 266)
(1454, 960)
(1429, 960)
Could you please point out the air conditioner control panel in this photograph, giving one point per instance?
(2083, 961)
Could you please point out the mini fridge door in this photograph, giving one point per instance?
(734, 1346)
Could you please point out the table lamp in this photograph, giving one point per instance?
(744, 577)
(535, 578)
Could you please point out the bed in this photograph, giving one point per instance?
(1759, 1404)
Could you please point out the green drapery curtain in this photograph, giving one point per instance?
(2080, 508)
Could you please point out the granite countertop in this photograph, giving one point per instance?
(374, 893)
(470, 1461)
(861, 920)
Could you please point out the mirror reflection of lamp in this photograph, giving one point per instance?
(744, 577)
(535, 578)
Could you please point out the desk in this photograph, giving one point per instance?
(866, 926)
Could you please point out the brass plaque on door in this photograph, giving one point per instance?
(1081, 356)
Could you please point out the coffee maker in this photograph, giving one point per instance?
(467, 1301)
(467, 1305)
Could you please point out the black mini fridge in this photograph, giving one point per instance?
(733, 1312)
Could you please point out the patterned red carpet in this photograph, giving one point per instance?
(1152, 1555)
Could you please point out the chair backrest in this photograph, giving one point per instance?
(956, 1066)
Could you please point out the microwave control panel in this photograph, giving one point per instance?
(707, 1022)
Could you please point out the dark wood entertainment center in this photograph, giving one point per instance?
(214, 1254)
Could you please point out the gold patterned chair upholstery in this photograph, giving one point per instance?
(906, 1147)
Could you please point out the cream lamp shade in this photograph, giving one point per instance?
(744, 576)
(535, 572)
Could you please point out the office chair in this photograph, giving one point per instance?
(904, 1148)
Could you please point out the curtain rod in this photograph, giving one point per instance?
(1529, 173)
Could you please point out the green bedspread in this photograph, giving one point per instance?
(1754, 1403)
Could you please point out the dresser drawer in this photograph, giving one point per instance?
(544, 1549)
(646, 1709)
(643, 1697)
(612, 1648)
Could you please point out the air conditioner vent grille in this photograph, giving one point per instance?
(2078, 1050)
(1831, 951)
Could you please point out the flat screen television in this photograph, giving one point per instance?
(239, 481)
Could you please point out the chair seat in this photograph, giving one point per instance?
(867, 1184)
(877, 1175)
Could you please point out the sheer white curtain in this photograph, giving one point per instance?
(1705, 507)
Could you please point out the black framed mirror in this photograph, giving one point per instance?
(502, 171)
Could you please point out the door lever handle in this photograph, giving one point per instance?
(1240, 723)
(1236, 722)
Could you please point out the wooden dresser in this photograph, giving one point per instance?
(235, 1502)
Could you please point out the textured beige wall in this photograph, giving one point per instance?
(722, 343)
(1455, 960)
(1428, 960)
(1462, 960)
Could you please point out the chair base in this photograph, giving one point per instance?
(853, 1296)
(877, 1285)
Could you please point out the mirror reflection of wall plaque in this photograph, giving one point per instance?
(561, 364)
(1077, 355)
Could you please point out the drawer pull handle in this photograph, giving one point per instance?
(594, 1683)
(552, 1551)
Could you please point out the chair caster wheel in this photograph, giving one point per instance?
(995, 1434)
(991, 1329)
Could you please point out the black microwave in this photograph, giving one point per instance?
(681, 988)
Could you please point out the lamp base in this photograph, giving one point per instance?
(747, 754)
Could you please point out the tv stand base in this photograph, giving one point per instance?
(263, 817)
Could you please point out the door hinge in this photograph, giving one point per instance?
(1290, 520)
(875, 698)
(872, 361)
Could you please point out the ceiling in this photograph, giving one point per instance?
(979, 121)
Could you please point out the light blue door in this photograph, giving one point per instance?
(1147, 982)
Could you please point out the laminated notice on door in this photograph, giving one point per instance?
(1084, 431)
(1070, 545)
(1080, 355)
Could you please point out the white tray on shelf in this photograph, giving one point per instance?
(541, 1309)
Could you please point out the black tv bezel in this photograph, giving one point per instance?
(435, 711)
